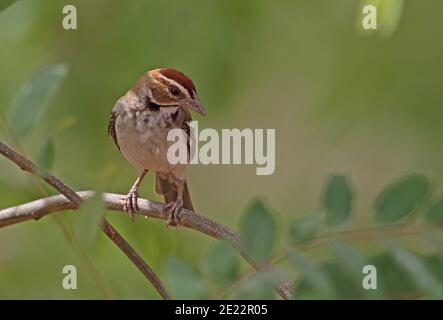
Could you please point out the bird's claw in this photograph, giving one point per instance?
(172, 209)
(130, 205)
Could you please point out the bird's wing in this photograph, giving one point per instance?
(162, 186)
(118, 108)
(111, 128)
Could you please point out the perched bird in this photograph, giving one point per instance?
(139, 124)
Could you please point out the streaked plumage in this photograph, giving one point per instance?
(139, 124)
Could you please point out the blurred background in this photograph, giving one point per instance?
(353, 110)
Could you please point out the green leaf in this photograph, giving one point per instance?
(435, 213)
(401, 198)
(222, 263)
(33, 98)
(258, 287)
(6, 3)
(184, 281)
(303, 230)
(417, 270)
(46, 154)
(258, 230)
(87, 223)
(313, 275)
(337, 200)
(391, 13)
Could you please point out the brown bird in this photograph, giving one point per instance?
(139, 124)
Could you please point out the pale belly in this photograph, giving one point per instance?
(143, 142)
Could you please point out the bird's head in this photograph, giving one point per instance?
(169, 87)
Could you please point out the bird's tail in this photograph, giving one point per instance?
(163, 187)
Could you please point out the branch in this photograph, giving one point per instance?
(73, 242)
(75, 200)
(189, 219)
(42, 207)
(134, 257)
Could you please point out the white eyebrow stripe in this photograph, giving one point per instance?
(175, 83)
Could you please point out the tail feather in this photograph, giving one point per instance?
(169, 192)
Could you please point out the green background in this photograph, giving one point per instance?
(364, 104)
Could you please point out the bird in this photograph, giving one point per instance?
(140, 120)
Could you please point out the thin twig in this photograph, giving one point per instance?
(362, 234)
(75, 200)
(39, 208)
(86, 262)
(369, 233)
(134, 257)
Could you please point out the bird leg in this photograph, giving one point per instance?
(173, 208)
(130, 205)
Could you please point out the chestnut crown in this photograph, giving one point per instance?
(169, 87)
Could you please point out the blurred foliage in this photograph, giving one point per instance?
(304, 229)
(222, 263)
(33, 98)
(363, 103)
(258, 230)
(184, 281)
(343, 278)
(258, 286)
(337, 201)
(46, 154)
(87, 224)
(401, 198)
(435, 213)
(6, 3)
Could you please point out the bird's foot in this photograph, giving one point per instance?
(130, 205)
(172, 209)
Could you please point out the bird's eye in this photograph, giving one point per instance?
(174, 90)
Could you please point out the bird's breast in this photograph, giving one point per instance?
(142, 137)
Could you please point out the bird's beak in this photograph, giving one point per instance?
(196, 105)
